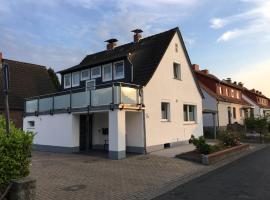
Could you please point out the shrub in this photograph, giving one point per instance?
(15, 149)
(260, 124)
(229, 138)
(200, 144)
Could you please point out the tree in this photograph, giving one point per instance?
(54, 78)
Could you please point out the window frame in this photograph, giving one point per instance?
(95, 76)
(114, 71)
(168, 112)
(84, 79)
(73, 75)
(70, 77)
(31, 124)
(179, 77)
(188, 121)
(107, 65)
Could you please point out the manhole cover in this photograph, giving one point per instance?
(74, 188)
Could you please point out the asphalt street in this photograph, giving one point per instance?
(244, 179)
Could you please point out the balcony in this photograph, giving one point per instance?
(103, 97)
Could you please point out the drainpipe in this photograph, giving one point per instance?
(144, 133)
(131, 66)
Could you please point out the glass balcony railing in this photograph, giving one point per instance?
(103, 95)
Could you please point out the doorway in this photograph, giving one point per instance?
(230, 115)
(86, 132)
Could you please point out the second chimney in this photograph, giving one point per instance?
(137, 35)
(229, 80)
(112, 43)
(196, 67)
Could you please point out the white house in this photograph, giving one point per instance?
(224, 103)
(138, 97)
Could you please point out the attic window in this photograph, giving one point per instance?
(67, 80)
(119, 70)
(85, 75)
(176, 47)
(96, 72)
(176, 71)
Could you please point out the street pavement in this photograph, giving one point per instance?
(245, 179)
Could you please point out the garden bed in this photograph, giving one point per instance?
(212, 157)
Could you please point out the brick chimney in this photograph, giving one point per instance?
(205, 71)
(112, 43)
(196, 67)
(137, 35)
(229, 80)
(240, 84)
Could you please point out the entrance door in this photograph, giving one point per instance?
(85, 132)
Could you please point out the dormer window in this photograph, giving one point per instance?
(85, 75)
(107, 72)
(67, 80)
(75, 79)
(119, 70)
(96, 72)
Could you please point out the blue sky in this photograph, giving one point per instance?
(229, 37)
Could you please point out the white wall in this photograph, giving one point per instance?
(134, 129)
(223, 113)
(55, 130)
(163, 87)
(100, 120)
(257, 111)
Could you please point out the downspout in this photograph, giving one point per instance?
(143, 111)
(131, 67)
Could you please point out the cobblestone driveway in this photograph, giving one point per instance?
(70, 176)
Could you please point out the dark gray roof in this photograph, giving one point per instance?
(144, 55)
(26, 80)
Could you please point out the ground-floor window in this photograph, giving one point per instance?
(189, 113)
(234, 112)
(165, 111)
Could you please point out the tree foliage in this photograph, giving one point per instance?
(54, 78)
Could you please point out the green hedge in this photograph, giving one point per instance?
(15, 149)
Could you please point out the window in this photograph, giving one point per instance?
(90, 85)
(107, 72)
(165, 111)
(220, 89)
(241, 112)
(95, 72)
(234, 112)
(67, 80)
(85, 75)
(75, 79)
(237, 95)
(176, 71)
(119, 70)
(189, 113)
(31, 124)
(176, 47)
(226, 92)
(232, 93)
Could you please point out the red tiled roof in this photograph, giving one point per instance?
(253, 96)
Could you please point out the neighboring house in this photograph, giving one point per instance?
(259, 101)
(138, 97)
(223, 103)
(25, 80)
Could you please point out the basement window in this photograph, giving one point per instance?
(31, 124)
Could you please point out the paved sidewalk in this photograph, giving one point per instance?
(172, 152)
(72, 176)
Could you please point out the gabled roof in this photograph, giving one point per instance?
(26, 80)
(208, 82)
(144, 55)
(251, 94)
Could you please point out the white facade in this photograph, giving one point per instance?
(258, 111)
(135, 130)
(164, 88)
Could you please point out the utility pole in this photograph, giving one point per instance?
(5, 71)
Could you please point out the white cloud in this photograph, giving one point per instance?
(217, 23)
(253, 21)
